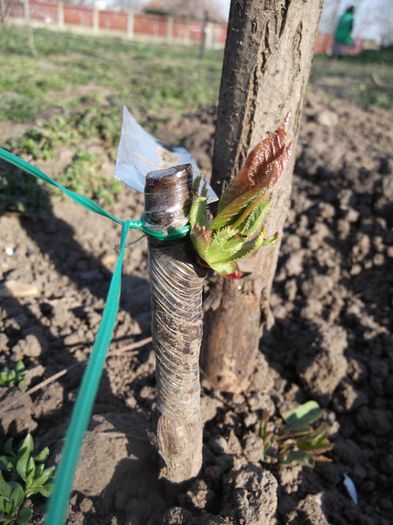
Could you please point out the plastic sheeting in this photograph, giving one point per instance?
(139, 153)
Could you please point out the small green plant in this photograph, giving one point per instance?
(266, 436)
(12, 497)
(26, 475)
(13, 376)
(299, 443)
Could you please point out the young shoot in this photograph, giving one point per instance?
(13, 376)
(300, 442)
(22, 474)
(239, 228)
(12, 498)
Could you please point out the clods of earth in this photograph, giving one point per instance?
(332, 342)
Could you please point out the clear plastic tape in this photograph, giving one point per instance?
(140, 152)
(170, 210)
(176, 295)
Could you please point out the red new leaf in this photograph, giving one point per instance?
(263, 167)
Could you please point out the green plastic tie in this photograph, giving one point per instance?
(65, 472)
(85, 202)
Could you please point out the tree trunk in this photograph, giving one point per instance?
(267, 62)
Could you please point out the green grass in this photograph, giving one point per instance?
(365, 80)
(87, 80)
(73, 90)
(150, 79)
(153, 80)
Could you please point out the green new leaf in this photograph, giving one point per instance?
(24, 516)
(17, 495)
(46, 490)
(42, 456)
(316, 442)
(256, 218)
(221, 244)
(21, 465)
(27, 444)
(5, 463)
(5, 377)
(253, 245)
(41, 481)
(230, 213)
(20, 367)
(46, 475)
(31, 472)
(5, 488)
(198, 212)
(39, 470)
(13, 376)
(297, 457)
(303, 415)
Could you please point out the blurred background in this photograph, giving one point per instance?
(161, 58)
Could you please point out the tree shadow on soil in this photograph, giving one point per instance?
(55, 239)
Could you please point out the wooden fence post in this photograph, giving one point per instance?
(130, 25)
(26, 11)
(96, 20)
(60, 15)
(169, 29)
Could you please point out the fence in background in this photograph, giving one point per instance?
(59, 15)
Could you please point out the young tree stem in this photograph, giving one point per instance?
(176, 294)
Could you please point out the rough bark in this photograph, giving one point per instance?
(176, 294)
(267, 63)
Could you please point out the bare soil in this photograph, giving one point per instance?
(332, 341)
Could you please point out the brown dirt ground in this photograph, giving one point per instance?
(331, 341)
